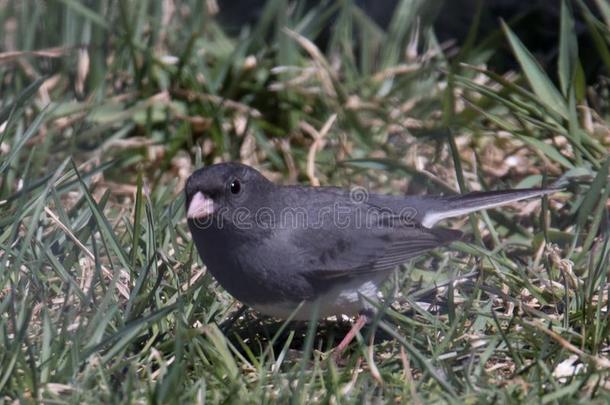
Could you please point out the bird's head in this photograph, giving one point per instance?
(222, 188)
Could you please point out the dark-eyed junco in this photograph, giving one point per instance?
(277, 247)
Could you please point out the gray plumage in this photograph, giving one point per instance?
(273, 246)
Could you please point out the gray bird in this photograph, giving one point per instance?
(280, 249)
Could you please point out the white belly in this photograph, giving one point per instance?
(348, 299)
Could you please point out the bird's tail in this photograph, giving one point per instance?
(462, 204)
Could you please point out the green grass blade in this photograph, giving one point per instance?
(539, 81)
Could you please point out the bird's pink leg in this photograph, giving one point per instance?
(360, 322)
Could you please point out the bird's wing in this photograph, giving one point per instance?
(356, 255)
(334, 250)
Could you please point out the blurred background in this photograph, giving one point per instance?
(164, 81)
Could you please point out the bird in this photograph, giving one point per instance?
(289, 250)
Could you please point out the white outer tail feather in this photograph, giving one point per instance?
(431, 218)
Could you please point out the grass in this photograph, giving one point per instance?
(106, 108)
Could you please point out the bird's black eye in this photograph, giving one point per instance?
(235, 186)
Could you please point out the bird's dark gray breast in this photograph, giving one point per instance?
(251, 265)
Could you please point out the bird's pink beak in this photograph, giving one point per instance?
(200, 207)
